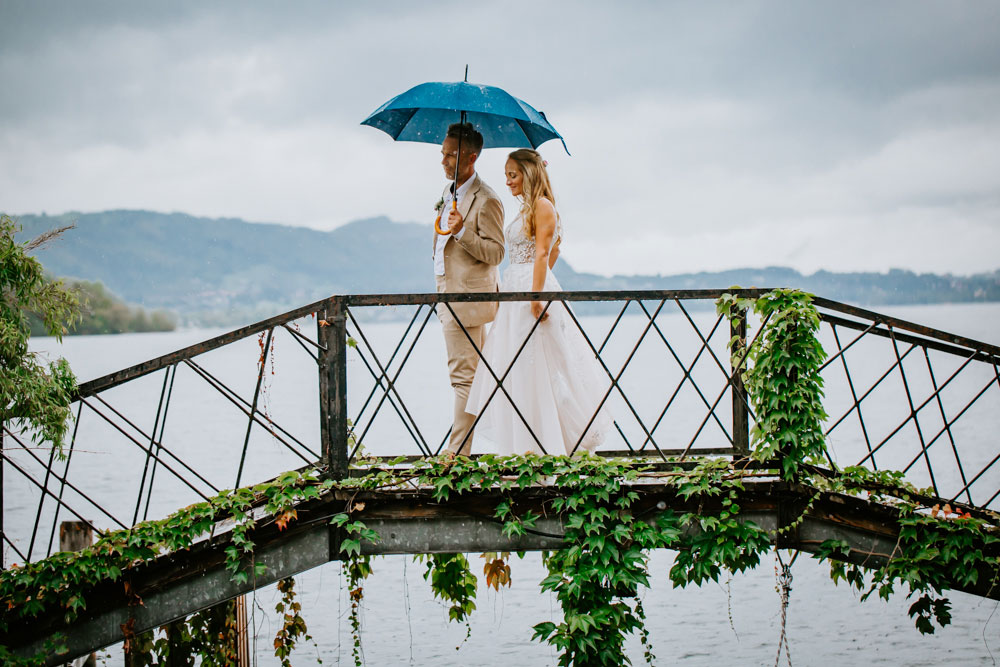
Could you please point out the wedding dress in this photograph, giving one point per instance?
(556, 381)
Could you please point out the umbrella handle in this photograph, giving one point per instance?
(437, 223)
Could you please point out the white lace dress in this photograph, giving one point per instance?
(556, 381)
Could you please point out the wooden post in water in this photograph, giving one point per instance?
(331, 334)
(76, 536)
(242, 635)
(741, 415)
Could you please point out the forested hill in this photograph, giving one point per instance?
(228, 270)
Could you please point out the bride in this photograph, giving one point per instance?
(555, 382)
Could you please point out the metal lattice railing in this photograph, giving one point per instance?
(241, 407)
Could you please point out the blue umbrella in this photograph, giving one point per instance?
(424, 112)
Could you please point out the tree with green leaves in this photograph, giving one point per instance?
(33, 392)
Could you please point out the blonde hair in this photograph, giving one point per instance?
(534, 185)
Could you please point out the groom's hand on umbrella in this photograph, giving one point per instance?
(455, 222)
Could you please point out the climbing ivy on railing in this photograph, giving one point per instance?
(782, 376)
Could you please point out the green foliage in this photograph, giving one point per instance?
(358, 569)
(357, 566)
(293, 626)
(783, 380)
(33, 393)
(58, 582)
(210, 636)
(715, 541)
(53, 646)
(935, 551)
(609, 526)
(451, 579)
(105, 313)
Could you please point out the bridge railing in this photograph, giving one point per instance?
(370, 371)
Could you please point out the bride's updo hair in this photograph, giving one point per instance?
(534, 183)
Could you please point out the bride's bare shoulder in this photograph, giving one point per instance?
(545, 209)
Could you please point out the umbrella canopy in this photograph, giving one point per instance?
(424, 112)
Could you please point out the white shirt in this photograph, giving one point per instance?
(442, 239)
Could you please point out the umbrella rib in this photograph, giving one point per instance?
(413, 112)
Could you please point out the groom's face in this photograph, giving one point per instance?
(450, 158)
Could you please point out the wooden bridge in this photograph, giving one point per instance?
(899, 396)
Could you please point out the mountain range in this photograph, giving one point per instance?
(228, 271)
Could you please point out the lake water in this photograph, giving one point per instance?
(735, 622)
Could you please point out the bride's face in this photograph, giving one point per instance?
(515, 179)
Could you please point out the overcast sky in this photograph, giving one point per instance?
(819, 135)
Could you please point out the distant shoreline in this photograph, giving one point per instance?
(223, 272)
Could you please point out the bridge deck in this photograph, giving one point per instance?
(411, 522)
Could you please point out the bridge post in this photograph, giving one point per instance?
(331, 334)
(741, 416)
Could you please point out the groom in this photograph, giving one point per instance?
(465, 260)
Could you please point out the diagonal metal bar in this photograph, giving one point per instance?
(262, 367)
(996, 458)
(229, 394)
(301, 336)
(919, 407)
(62, 503)
(944, 418)
(607, 337)
(68, 483)
(615, 378)
(444, 440)
(391, 388)
(298, 338)
(14, 547)
(738, 368)
(951, 423)
(41, 502)
(614, 325)
(62, 485)
(857, 404)
(147, 449)
(850, 383)
(160, 447)
(156, 424)
(378, 378)
(687, 376)
(499, 381)
(159, 439)
(842, 350)
(913, 414)
(378, 384)
(725, 373)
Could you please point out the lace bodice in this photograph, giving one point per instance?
(521, 249)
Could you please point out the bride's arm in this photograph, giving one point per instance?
(545, 227)
(554, 253)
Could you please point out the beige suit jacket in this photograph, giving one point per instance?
(470, 263)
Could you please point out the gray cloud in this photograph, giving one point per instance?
(821, 135)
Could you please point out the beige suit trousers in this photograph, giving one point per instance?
(462, 361)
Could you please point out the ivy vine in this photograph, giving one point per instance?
(782, 377)
(608, 527)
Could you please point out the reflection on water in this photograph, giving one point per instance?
(715, 624)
